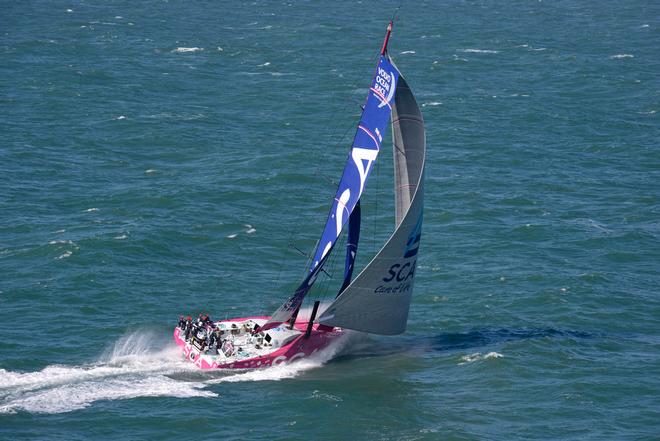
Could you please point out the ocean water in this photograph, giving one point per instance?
(165, 157)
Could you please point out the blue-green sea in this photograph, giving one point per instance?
(160, 158)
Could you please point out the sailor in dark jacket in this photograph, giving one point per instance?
(188, 328)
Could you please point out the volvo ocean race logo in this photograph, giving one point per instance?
(384, 87)
(400, 276)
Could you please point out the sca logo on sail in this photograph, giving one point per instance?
(402, 274)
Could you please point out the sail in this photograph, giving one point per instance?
(351, 245)
(378, 299)
(363, 153)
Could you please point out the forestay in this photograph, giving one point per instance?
(378, 300)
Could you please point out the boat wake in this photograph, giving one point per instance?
(131, 368)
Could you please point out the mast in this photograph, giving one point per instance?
(383, 50)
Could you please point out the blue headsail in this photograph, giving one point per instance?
(366, 144)
(351, 245)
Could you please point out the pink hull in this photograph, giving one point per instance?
(300, 347)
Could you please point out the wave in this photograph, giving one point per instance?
(479, 356)
(619, 56)
(479, 51)
(187, 49)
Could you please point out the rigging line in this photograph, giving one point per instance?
(309, 257)
(394, 16)
(332, 131)
(332, 261)
(337, 144)
(377, 192)
(283, 260)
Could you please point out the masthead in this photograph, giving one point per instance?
(387, 38)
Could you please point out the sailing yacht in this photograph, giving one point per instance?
(378, 299)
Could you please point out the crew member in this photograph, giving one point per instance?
(188, 328)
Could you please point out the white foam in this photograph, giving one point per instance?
(231, 236)
(470, 358)
(131, 368)
(134, 367)
(64, 255)
(433, 103)
(619, 56)
(71, 397)
(120, 237)
(479, 51)
(188, 49)
(273, 373)
(267, 63)
(478, 356)
(493, 355)
(120, 117)
(58, 242)
(407, 52)
(63, 245)
(526, 46)
(90, 210)
(250, 229)
(150, 171)
(317, 394)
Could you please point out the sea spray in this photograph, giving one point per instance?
(134, 345)
(136, 365)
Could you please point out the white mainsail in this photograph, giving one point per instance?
(378, 299)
